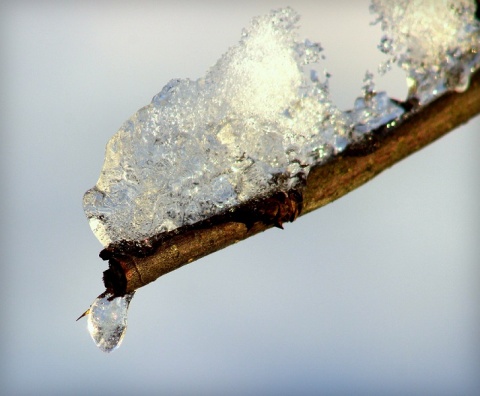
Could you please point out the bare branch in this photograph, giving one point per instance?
(131, 269)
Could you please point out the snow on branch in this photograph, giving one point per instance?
(135, 265)
(258, 141)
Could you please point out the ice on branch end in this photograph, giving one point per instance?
(218, 159)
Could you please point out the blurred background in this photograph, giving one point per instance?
(376, 293)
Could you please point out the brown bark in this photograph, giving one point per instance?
(325, 184)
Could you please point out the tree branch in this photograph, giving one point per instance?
(130, 269)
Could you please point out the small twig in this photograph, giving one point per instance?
(127, 272)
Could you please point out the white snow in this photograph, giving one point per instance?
(204, 146)
(437, 43)
(201, 147)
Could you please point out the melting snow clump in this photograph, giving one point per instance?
(257, 121)
(437, 43)
(261, 117)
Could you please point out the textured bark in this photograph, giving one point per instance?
(325, 184)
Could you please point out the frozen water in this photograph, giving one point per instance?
(437, 43)
(201, 147)
(107, 320)
(372, 109)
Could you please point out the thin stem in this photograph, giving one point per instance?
(325, 184)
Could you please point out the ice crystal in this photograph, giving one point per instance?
(107, 320)
(201, 147)
(372, 109)
(437, 43)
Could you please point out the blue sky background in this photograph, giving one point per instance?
(376, 293)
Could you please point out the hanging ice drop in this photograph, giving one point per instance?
(107, 320)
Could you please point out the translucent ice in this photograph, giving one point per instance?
(201, 147)
(373, 109)
(107, 320)
(437, 42)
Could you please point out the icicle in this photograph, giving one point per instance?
(107, 320)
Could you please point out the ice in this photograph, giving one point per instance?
(373, 109)
(204, 146)
(437, 43)
(107, 320)
(201, 147)
(256, 123)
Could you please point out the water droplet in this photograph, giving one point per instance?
(107, 320)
